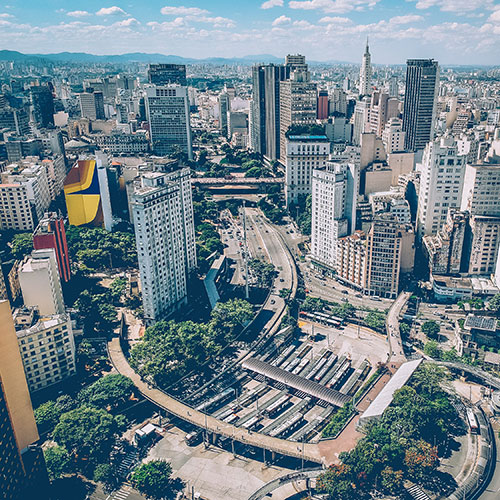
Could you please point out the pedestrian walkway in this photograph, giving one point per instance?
(122, 493)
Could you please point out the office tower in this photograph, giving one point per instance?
(393, 136)
(365, 73)
(224, 107)
(382, 108)
(167, 111)
(237, 121)
(164, 228)
(42, 102)
(265, 123)
(351, 259)
(481, 191)
(384, 253)
(334, 195)
(298, 99)
(15, 208)
(87, 193)
(422, 86)
(50, 233)
(120, 142)
(303, 154)
(484, 244)
(441, 184)
(47, 347)
(92, 105)
(164, 74)
(322, 105)
(338, 102)
(444, 250)
(40, 283)
(393, 87)
(361, 119)
(22, 468)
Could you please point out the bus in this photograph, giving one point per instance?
(472, 420)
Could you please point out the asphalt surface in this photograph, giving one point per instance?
(492, 492)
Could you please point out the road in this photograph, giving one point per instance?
(492, 492)
(396, 352)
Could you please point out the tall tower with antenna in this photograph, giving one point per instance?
(365, 74)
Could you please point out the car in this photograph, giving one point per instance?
(344, 291)
(359, 295)
(432, 306)
(273, 301)
(282, 280)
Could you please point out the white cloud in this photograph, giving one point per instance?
(457, 6)
(335, 20)
(410, 18)
(131, 21)
(272, 3)
(4, 15)
(183, 11)
(281, 20)
(495, 17)
(78, 13)
(111, 11)
(332, 6)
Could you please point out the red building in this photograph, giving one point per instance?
(50, 233)
(322, 105)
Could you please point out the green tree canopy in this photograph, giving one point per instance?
(87, 433)
(47, 415)
(494, 303)
(376, 320)
(21, 245)
(108, 391)
(58, 462)
(154, 479)
(431, 329)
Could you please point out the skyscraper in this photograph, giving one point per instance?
(422, 85)
(163, 74)
(167, 111)
(22, 467)
(50, 233)
(265, 125)
(298, 99)
(42, 101)
(163, 219)
(224, 107)
(365, 73)
(334, 193)
(322, 105)
(92, 105)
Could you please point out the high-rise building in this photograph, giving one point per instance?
(361, 120)
(298, 99)
(322, 105)
(40, 283)
(164, 228)
(441, 184)
(224, 107)
(393, 136)
(303, 154)
(485, 241)
(265, 124)
(22, 468)
(422, 86)
(393, 86)
(164, 74)
(338, 102)
(444, 251)
(47, 347)
(334, 195)
(167, 111)
(50, 233)
(42, 101)
(365, 73)
(382, 109)
(92, 105)
(481, 192)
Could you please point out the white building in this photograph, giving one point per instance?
(334, 193)
(441, 183)
(40, 283)
(164, 228)
(365, 74)
(167, 111)
(361, 117)
(47, 347)
(393, 136)
(303, 154)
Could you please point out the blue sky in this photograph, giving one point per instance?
(451, 31)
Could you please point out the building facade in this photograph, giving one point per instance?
(163, 74)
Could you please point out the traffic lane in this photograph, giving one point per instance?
(492, 492)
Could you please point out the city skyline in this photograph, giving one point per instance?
(453, 32)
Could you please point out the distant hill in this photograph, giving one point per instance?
(141, 57)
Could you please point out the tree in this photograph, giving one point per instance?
(431, 349)
(422, 461)
(404, 329)
(231, 314)
(58, 462)
(47, 415)
(107, 474)
(21, 245)
(263, 271)
(154, 479)
(313, 304)
(431, 329)
(337, 483)
(108, 391)
(392, 480)
(95, 311)
(494, 303)
(87, 433)
(376, 320)
(117, 289)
